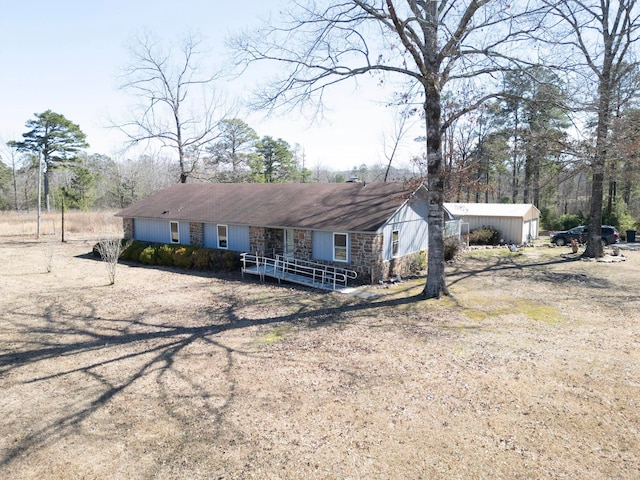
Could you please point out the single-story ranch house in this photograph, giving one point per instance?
(518, 223)
(376, 229)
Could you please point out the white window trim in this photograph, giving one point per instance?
(177, 224)
(395, 244)
(226, 236)
(346, 247)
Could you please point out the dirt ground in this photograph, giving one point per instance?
(530, 370)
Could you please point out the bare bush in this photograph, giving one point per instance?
(110, 250)
(48, 256)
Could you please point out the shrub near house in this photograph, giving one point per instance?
(484, 236)
(181, 256)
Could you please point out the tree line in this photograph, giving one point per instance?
(56, 146)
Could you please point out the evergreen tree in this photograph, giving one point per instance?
(233, 151)
(55, 140)
(274, 162)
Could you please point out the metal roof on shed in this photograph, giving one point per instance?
(489, 209)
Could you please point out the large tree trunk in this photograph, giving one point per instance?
(516, 169)
(436, 283)
(594, 245)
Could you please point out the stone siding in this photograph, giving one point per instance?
(303, 244)
(270, 242)
(128, 228)
(366, 256)
(257, 240)
(404, 266)
(274, 242)
(367, 260)
(196, 234)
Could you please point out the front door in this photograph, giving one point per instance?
(289, 244)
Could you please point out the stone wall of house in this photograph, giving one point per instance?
(196, 234)
(128, 228)
(366, 256)
(367, 260)
(257, 240)
(274, 242)
(303, 248)
(404, 266)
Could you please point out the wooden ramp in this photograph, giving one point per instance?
(310, 274)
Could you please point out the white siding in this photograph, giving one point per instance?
(517, 223)
(510, 228)
(530, 230)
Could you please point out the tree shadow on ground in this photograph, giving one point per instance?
(136, 347)
(508, 265)
(58, 343)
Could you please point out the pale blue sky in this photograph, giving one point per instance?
(66, 56)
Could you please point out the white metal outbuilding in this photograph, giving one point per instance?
(517, 222)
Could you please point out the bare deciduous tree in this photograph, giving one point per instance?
(396, 138)
(110, 250)
(429, 45)
(596, 38)
(48, 253)
(12, 154)
(179, 106)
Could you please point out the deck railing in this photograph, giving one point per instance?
(299, 271)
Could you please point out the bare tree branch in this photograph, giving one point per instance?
(168, 86)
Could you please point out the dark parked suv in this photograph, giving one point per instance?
(581, 235)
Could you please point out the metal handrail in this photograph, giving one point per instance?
(320, 275)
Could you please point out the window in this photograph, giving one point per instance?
(394, 242)
(222, 236)
(175, 233)
(340, 247)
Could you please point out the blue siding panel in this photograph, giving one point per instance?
(152, 230)
(411, 223)
(185, 235)
(159, 231)
(210, 235)
(322, 245)
(237, 236)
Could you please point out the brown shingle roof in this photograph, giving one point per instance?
(324, 206)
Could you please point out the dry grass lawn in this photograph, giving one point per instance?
(530, 370)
